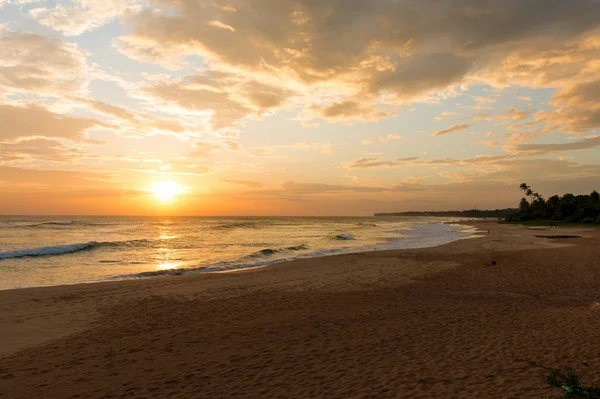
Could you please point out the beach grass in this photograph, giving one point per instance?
(567, 380)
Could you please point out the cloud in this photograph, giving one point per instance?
(35, 120)
(412, 181)
(79, 16)
(109, 109)
(451, 129)
(146, 51)
(576, 108)
(539, 149)
(524, 98)
(31, 62)
(262, 96)
(227, 99)
(261, 152)
(231, 145)
(323, 148)
(484, 102)
(375, 48)
(490, 143)
(203, 149)
(37, 149)
(247, 183)
(482, 117)
(51, 178)
(514, 170)
(221, 25)
(224, 111)
(407, 159)
(18, 2)
(368, 163)
(317, 188)
(515, 114)
(391, 136)
(444, 115)
(141, 122)
(421, 74)
(523, 137)
(349, 110)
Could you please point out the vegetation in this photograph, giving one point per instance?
(567, 381)
(569, 208)
(473, 213)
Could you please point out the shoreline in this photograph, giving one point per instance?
(385, 324)
(176, 272)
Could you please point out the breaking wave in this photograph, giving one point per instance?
(343, 237)
(271, 251)
(67, 249)
(47, 251)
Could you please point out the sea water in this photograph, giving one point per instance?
(44, 251)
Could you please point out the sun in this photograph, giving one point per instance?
(166, 190)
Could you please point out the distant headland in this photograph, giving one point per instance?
(583, 209)
(472, 213)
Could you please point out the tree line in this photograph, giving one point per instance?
(472, 213)
(567, 208)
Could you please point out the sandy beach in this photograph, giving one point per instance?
(422, 323)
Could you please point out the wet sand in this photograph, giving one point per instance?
(434, 322)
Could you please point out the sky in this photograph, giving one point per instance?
(295, 107)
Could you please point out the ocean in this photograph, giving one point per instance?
(46, 251)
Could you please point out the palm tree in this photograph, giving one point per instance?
(524, 187)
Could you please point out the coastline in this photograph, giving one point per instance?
(350, 324)
(249, 261)
(84, 255)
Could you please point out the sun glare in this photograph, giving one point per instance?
(166, 190)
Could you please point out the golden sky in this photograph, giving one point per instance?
(304, 107)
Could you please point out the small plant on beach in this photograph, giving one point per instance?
(567, 381)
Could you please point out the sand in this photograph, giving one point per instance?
(424, 323)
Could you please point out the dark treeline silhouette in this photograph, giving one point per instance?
(473, 213)
(568, 208)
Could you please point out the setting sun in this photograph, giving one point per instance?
(167, 190)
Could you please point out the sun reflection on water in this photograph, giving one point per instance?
(166, 236)
(165, 256)
(167, 265)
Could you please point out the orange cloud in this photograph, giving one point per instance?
(246, 183)
(452, 129)
(349, 110)
(35, 120)
(31, 62)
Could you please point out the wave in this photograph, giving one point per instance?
(56, 224)
(35, 225)
(263, 258)
(343, 237)
(237, 225)
(271, 251)
(47, 251)
(298, 247)
(266, 252)
(68, 248)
